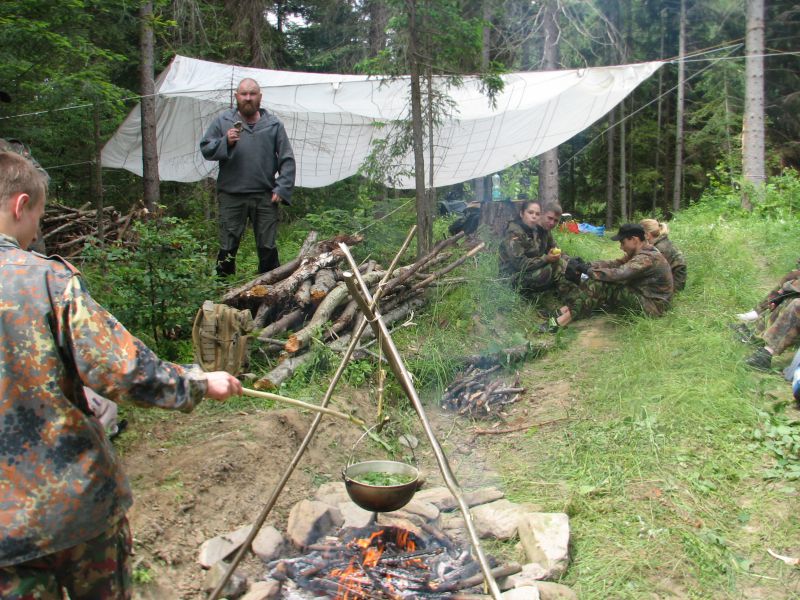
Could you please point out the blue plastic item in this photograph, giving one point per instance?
(595, 229)
(497, 192)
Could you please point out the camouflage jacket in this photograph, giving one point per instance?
(61, 481)
(523, 248)
(646, 273)
(675, 259)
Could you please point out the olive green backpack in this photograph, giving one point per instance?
(220, 337)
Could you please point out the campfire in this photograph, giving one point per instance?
(378, 562)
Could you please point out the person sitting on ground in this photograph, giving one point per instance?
(64, 497)
(658, 235)
(765, 306)
(528, 254)
(782, 328)
(640, 281)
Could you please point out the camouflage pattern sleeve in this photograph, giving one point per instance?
(621, 270)
(676, 260)
(115, 364)
(793, 285)
(520, 252)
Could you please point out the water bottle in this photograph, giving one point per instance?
(496, 191)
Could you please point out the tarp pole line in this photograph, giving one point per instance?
(641, 108)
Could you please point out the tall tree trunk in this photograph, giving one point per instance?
(548, 161)
(97, 173)
(666, 194)
(431, 190)
(659, 111)
(753, 168)
(479, 183)
(623, 173)
(610, 169)
(728, 142)
(378, 20)
(424, 211)
(150, 177)
(677, 181)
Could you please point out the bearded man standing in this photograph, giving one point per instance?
(256, 174)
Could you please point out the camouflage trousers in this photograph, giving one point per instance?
(783, 326)
(99, 569)
(536, 281)
(599, 295)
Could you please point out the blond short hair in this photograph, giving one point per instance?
(18, 175)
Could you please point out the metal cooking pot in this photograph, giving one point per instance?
(381, 498)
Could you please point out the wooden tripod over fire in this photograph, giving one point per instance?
(368, 306)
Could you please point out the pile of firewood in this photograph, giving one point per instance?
(65, 230)
(474, 393)
(308, 297)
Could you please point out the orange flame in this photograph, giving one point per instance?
(353, 579)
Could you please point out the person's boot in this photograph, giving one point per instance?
(760, 360)
(226, 264)
(745, 334)
(267, 259)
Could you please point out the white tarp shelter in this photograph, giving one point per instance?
(332, 119)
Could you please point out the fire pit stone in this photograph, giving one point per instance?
(442, 499)
(309, 520)
(522, 593)
(407, 524)
(268, 544)
(332, 493)
(498, 519)
(354, 515)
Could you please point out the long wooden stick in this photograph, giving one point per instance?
(301, 404)
(355, 338)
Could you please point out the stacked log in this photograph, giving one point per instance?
(65, 230)
(307, 299)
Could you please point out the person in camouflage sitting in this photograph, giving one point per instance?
(658, 234)
(63, 495)
(640, 281)
(528, 254)
(781, 329)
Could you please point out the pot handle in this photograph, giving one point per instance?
(358, 441)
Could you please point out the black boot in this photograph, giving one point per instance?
(267, 259)
(226, 263)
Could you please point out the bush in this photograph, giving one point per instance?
(156, 288)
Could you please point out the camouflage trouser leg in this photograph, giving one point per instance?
(536, 281)
(784, 329)
(594, 295)
(99, 569)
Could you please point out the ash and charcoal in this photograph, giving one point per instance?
(377, 562)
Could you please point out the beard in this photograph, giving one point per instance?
(247, 108)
